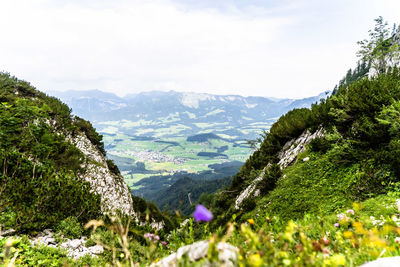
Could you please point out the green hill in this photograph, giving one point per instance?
(53, 165)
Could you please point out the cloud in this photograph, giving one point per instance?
(132, 46)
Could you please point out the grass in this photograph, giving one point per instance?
(358, 233)
(125, 147)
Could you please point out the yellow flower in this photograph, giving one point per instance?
(251, 221)
(348, 234)
(286, 262)
(291, 226)
(338, 260)
(288, 237)
(283, 254)
(255, 260)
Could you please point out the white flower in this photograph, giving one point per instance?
(398, 204)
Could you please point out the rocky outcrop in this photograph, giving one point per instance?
(248, 191)
(294, 147)
(114, 192)
(227, 255)
(287, 156)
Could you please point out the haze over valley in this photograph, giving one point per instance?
(166, 136)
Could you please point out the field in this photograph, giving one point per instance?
(142, 149)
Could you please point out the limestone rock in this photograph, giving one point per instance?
(114, 192)
(294, 147)
(383, 262)
(7, 232)
(75, 247)
(97, 249)
(227, 254)
(248, 191)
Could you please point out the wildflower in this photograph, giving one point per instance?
(251, 221)
(350, 211)
(324, 241)
(163, 243)
(156, 237)
(150, 236)
(336, 225)
(338, 259)
(397, 240)
(202, 214)
(326, 252)
(342, 217)
(255, 260)
(348, 234)
(398, 204)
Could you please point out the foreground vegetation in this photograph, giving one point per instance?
(363, 232)
(340, 207)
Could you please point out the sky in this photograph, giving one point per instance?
(285, 49)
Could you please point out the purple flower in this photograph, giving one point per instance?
(202, 214)
(163, 243)
(336, 225)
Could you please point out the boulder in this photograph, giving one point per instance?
(227, 254)
(383, 262)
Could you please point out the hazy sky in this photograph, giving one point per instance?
(267, 48)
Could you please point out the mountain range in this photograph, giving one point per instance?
(190, 112)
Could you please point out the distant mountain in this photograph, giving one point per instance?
(194, 111)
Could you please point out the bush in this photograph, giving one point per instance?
(41, 197)
(271, 176)
(319, 145)
(70, 228)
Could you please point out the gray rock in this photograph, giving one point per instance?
(48, 232)
(97, 249)
(75, 248)
(72, 244)
(227, 254)
(294, 147)
(383, 262)
(8, 232)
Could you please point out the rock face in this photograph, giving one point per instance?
(248, 191)
(294, 147)
(75, 247)
(227, 255)
(114, 192)
(287, 156)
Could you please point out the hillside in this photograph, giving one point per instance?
(342, 150)
(54, 165)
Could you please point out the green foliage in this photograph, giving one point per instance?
(70, 228)
(95, 138)
(321, 145)
(382, 50)
(176, 197)
(113, 168)
(42, 200)
(19, 252)
(270, 178)
(359, 72)
(38, 181)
